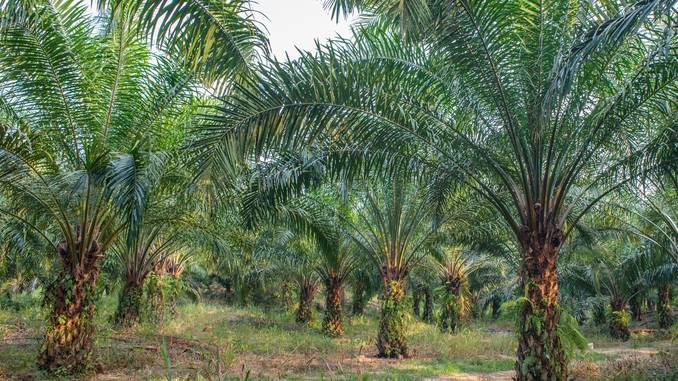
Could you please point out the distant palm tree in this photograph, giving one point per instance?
(613, 277)
(455, 268)
(392, 229)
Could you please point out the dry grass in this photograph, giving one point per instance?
(211, 341)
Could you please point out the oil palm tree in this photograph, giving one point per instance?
(392, 229)
(365, 283)
(523, 98)
(335, 268)
(83, 97)
(655, 221)
(455, 269)
(296, 259)
(282, 191)
(146, 253)
(613, 276)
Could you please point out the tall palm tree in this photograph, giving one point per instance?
(56, 82)
(523, 98)
(77, 104)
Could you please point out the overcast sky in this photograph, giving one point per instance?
(292, 23)
(298, 23)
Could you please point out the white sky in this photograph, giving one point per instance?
(298, 23)
(292, 23)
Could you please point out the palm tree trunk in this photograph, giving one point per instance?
(664, 317)
(540, 352)
(359, 299)
(619, 320)
(391, 341)
(428, 305)
(155, 298)
(496, 305)
(130, 303)
(333, 325)
(305, 310)
(416, 301)
(449, 317)
(67, 344)
(636, 308)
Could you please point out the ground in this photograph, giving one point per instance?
(211, 341)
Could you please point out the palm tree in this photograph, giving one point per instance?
(612, 276)
(659, 228)
(522, 98)
(53, 85)
(298, 260)
(392, 229)
(80, 108)
(455, 269)
(655, 221)
(365, 283)
(145, 254)
(335, 267)
(165, 285)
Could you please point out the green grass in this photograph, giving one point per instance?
(264, 344)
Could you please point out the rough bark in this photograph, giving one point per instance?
(67, 344)
(540, 354)
(428, 305)
(664, 317)
(130, 304)
(391, 340)
(618, 322)
(305, 309)
(333, 324)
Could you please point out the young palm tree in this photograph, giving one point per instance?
(145, 254)
(523, 98)
(455, 269)
(612, 276)
(392, 229)
(655, 221)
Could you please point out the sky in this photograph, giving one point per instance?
(298, 23)
(292, 23)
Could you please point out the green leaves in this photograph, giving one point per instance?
(216, 39)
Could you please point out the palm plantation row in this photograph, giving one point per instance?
(456, 158)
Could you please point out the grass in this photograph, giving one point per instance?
(213, 341)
